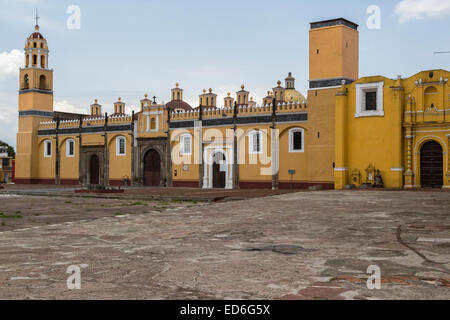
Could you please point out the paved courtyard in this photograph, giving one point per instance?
(305, 245)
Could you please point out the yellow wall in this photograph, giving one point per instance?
(393, 141)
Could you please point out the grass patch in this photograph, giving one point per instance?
(18, 211)
(176, 201)
(12, 216)
(119, 214)
(68, 202)
(137, 203)
(3, 223)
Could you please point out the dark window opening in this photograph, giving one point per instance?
(297, 145)
(371, 101)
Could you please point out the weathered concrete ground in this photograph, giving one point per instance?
(308, 245)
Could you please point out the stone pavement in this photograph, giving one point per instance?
(306, 245)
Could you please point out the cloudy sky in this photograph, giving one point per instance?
(129, 48)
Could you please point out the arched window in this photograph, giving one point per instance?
(35, 45)
(34, 59)
(121, 146)
(173, 95)
(296, 140)
(27, 61)
(42, 45)
(70, 148)
(178, 96)
(42, 82)
(26, 82)
(186, 144)
(42, 62)
(207, 101)
(152, 124)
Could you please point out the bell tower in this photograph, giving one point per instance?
(333, 61)
(35, 105)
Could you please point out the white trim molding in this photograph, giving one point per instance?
(361, 90)
(341, 169)
(398, 169)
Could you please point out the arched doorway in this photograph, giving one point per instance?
(431, 165)
(218, 172)
(94, 169)
(152, 168)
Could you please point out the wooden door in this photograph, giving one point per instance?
(152, 169)
(94, 169)
(218, 176)
(431, 165)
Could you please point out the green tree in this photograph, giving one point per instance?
(11, 152)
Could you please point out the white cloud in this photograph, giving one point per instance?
(10, 63)
(65, 106)
(420, 9)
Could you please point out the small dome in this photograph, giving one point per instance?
(178, 104)
(292, 95)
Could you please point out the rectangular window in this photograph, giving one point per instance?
(121, 146)
(296, 140)
(371, 100)
(48, 149)
(255, 142)
(185, 148)
(70, 152)
(5, 162)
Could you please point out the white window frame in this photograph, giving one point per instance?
(118, 146)
(46, 143)
(183, 152)
(251, 138)
(291, 140)
(361, 90)
(68, 148)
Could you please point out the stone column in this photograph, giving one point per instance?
(106, 155)
(169, 152)
(133, 148)
(341, 169)
(409, 173)
(274, 146)
(58, 156)
(397, 136)
(447, 185)
(235, 150)
(81, 171)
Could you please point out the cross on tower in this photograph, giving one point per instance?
(154, 100)
(37, 17)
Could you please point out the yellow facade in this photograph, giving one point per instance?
(346, 129)
(410, 113)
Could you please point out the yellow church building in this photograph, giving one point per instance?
(347, 132)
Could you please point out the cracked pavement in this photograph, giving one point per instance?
(306, 245)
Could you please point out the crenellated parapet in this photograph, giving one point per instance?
(47, 125)
(242, 110)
